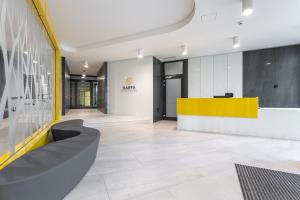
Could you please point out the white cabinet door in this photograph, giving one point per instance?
(207, 73)
(220, 75)
(194, 78)
(235, 74)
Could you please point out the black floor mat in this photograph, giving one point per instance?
(264, 184)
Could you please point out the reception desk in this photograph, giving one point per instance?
(221, 107)
(237, 116)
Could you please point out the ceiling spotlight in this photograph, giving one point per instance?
(140, 54)
(26, 52)
(236, 42)
(247, 7)
(86, 64)
(35, 62)
(83, 74)
(184, 50)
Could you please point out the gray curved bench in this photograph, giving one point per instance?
(52, 171)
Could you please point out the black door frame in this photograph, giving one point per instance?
(184, 84)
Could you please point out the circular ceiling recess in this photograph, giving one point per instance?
(94, 23)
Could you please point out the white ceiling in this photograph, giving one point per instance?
(107, 30)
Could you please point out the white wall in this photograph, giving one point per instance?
(136, 103)
(215, 75)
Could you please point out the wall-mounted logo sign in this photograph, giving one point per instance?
(128, 85)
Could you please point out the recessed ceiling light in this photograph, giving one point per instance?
(86, 64)
(236, 42)
(268, 63)
(35, 61)
(26, 52)
(247, 12)
(184, 51)
(209, 17)
(247, 7)
(140, 54)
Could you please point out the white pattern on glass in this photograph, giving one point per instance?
(26, 60)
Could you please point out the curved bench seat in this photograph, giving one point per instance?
(65, 129)
(52, 171)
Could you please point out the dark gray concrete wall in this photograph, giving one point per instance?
(102, 88)
(65, 88)
(158, 91)
(273, 75)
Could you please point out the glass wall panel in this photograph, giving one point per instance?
(95, 94)
(26, 74)
(73, 94)
(83, 94)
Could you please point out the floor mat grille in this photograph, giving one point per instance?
(265, 184)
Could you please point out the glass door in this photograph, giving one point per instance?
(173, 79)
(85, 94)
(173, 91)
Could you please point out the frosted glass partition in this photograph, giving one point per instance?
(26, 74)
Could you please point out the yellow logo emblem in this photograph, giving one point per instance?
(128, 84)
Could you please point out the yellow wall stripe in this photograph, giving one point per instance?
(222, 107)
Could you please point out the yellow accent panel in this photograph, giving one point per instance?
(221, 107)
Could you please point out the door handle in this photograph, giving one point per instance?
(13, 109)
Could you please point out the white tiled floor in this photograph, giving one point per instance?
(138, 160)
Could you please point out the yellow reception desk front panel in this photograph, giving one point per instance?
(219, 107)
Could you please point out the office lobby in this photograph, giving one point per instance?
(144, 161)
(149, 100)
